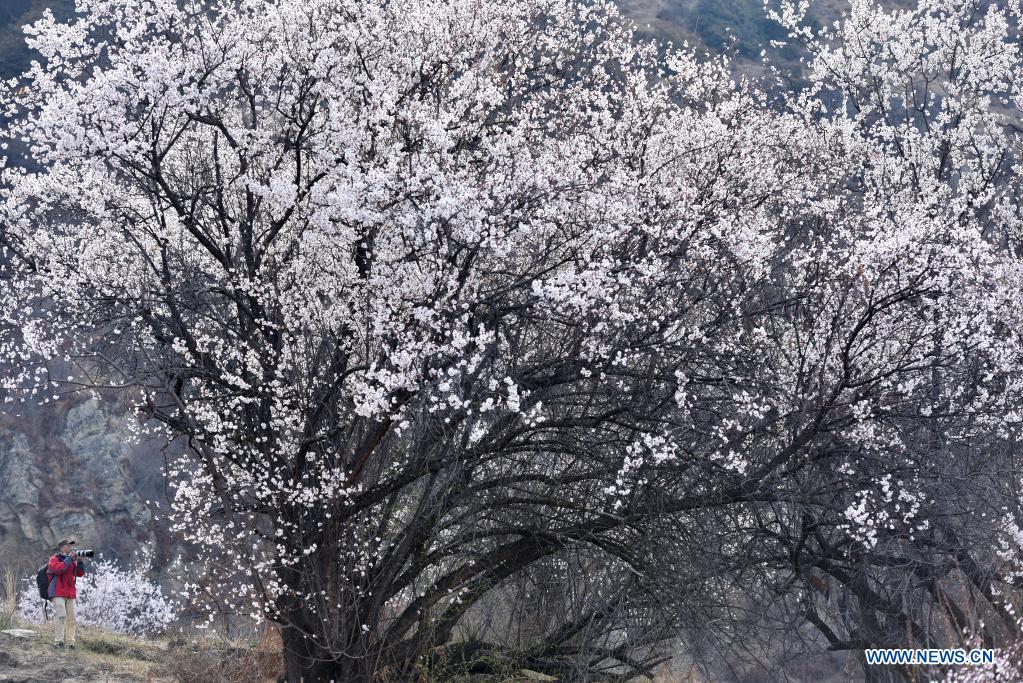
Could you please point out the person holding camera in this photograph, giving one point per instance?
(64, 569)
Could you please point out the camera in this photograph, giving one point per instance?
(87, 552)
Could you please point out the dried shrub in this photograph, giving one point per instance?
(259, 661)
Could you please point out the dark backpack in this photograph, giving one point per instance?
(43, 582)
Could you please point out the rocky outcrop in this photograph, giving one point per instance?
(72, 468)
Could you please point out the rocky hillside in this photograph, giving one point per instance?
(67, 468)
(27, 656)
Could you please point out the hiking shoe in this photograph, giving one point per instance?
(69, 646)
(58, 646)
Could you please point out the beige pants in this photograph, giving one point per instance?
(65, 609)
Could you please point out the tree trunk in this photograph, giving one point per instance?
(307, 662)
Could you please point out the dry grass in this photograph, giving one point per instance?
(217, 661)
(100, 655)
(158, 660)
(9, 595)
(136, 656)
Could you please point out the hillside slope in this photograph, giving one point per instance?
(27, 656)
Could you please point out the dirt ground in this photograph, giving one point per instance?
(98, 658)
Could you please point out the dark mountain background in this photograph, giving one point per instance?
(14, 14)
(738, 26)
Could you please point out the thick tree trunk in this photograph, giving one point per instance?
(307, 662)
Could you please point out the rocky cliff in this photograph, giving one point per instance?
(69, 468)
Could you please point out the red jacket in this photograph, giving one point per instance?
(63, 572)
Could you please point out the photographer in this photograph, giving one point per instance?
(63, 569)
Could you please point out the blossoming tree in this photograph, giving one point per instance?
(440, 296)
(120, 600)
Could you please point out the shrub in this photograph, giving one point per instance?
(120, 600)
(209, 661)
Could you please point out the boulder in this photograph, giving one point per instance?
(19, 633)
